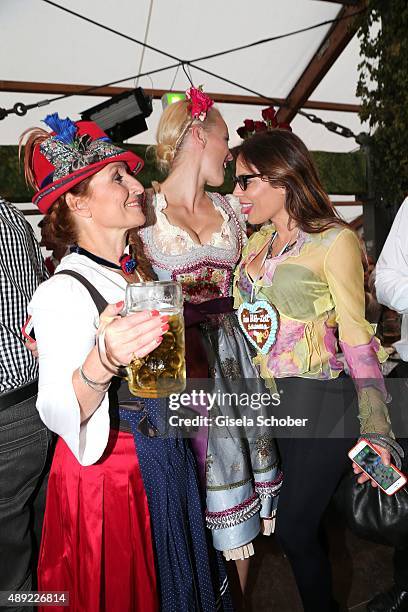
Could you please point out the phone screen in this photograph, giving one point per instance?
(371, 462)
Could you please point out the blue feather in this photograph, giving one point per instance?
(64, 129)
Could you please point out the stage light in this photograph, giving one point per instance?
(171, 97)
(122, 116)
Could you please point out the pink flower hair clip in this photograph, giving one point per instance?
(200, 103)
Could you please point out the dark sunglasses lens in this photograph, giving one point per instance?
(241, 181)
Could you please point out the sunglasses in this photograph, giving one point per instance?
(243, 179)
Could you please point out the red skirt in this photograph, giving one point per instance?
(96, 541)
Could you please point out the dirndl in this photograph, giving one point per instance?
(96, 542)
(128, 532)
(191, 574)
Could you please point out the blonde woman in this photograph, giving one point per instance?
(196, 237)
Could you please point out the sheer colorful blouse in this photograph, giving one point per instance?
(318, 290)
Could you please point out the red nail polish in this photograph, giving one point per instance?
(159, 339)
(154, 313)
(120, 304)
(165, 327)
(164, 318)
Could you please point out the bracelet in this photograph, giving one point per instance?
(101, 387)
(106, 359)
(393, 443)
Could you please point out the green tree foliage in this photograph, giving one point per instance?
(341, 173)
(383, 88)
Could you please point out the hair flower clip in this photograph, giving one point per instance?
(269, 123)
(200, 103)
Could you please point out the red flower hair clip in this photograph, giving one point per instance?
(270, 122)
(200, 103)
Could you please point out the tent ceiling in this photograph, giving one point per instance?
(42, 43)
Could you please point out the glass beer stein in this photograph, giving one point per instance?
(163, 371)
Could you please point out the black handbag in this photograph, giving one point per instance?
(373, 515)
(369, 512)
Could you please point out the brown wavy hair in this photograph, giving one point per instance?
(282, 157)
(59, 226)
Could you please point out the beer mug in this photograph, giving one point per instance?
(163, 371)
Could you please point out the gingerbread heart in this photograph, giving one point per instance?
(260, 324)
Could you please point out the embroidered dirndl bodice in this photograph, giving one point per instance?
(242, 479)
(204, 270)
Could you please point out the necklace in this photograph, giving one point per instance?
(259, 320)
(288, 246)
(268, 255)
(127, 264)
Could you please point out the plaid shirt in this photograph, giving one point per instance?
(22, 269)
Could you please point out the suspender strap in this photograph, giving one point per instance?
(101, 303)
(97, 298)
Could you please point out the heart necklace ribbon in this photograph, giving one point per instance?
(259, 320)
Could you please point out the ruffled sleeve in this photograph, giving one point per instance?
(64, 320)
(362, 350)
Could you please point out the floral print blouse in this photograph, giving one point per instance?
(318, 291)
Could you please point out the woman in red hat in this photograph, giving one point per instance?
(124, 526)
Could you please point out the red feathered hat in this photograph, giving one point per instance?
(72, 153)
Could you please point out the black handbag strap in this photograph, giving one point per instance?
(97, 298)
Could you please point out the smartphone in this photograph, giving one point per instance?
(388, 477)
(28, 329)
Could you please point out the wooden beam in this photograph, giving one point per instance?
(349, 2)
(70, 88)
(59, 88)
(332, 46)
(357, 223)
(29, 212)
(343, 203)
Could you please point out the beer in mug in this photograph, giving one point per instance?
(163, 371)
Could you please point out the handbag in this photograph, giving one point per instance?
(372, 514)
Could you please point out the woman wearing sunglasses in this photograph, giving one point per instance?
(303, 272)
(196, 237)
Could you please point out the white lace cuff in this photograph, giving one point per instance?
(241, 553)
(268, 525)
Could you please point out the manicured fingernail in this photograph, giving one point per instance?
(159, 339)
(164, 318)
(165, 327)
(120, 304)
(154, 313)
